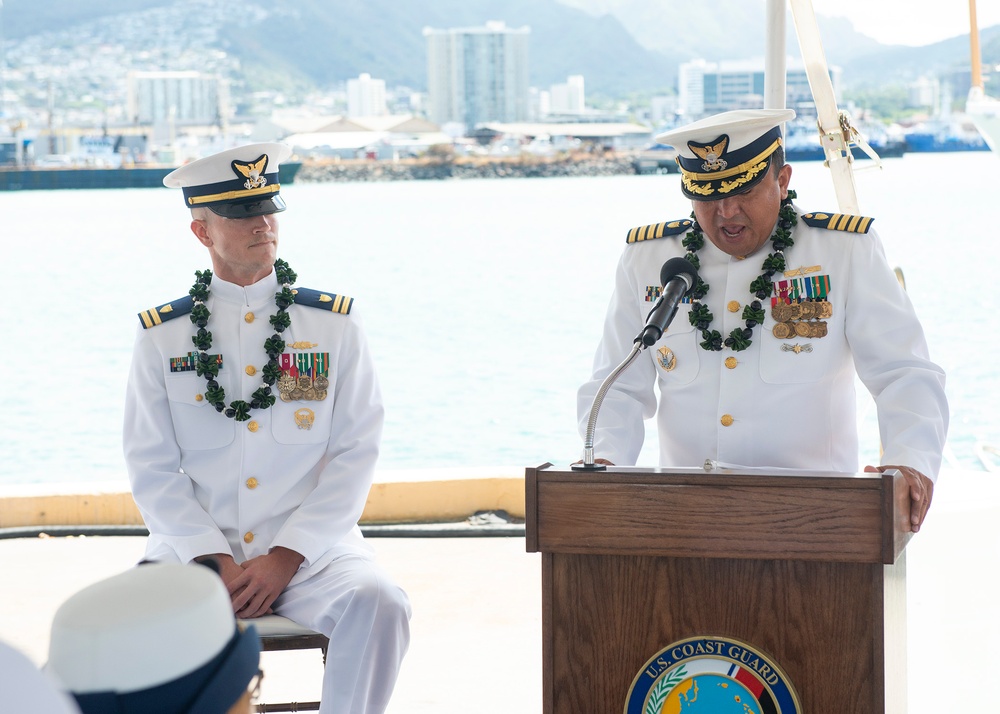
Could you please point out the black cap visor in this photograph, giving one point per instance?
(249, 209)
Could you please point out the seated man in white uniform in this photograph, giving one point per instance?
(757, 367)
(157, 639)
(253, 420)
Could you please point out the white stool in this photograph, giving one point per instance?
(279, 633)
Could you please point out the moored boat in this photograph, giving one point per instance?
(656, 159)
(983, 109)
(931, 137)
(44, 178)
(803, 144)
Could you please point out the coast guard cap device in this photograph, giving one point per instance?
(236, 183)
(726, 154)
(158, 639)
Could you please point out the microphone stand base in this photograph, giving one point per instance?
(589, 467)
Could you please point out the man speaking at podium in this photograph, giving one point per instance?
(757, 368)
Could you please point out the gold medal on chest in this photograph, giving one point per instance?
(304, 376)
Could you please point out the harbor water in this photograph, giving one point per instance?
(483, 301)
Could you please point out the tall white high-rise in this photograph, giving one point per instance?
(478, 74)
(568, 98)
(366, 97)
(178, 97)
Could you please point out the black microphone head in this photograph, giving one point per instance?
(679, 267)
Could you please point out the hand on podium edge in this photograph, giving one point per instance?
(921, 491)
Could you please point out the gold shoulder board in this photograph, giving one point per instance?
(158, 315)
(340, 304)
(658, 230)
(838, 222)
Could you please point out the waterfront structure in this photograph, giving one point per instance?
(562, 136)
(385, 137)
(366, 97)
(712, 87)
(477, 74)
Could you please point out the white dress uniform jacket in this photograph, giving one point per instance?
(786, 403)
(205, 483)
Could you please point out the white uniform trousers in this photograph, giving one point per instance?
(367, 618)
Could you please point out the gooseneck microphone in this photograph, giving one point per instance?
(677, 278)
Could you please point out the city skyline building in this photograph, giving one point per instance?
(568, 97)
(366, 97)
(178, 98)
(477, 74)
(705, 88)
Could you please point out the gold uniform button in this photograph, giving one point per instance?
(251, 370)
(199, 397)
(727, 420)
(253, 426)
(252, 483)
(731, 362)
(733, 306)
(248, 317)
(248, 538)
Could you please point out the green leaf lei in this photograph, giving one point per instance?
(208, 365)
(701, 317)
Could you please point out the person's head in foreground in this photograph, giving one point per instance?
(157, 639)
(24, 688)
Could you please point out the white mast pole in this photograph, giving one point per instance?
(974, 54)
(835, 134)
(774, 55)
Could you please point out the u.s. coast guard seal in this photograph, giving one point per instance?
(711, 675)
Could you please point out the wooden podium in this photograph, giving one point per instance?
(806, 567)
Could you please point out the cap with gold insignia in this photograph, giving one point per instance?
(236, 183)
(157, 638)
(726, 154)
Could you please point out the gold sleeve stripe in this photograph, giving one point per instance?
(839, 222)
(342, 304)
(657, 230)
(150, 318)
(637, 235)
(851, 224)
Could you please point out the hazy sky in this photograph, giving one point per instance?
(911, 22)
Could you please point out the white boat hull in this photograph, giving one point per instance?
(985, 114)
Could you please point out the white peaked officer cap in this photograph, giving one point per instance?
(24, 688)
(726, 154)
(237, 183)
(158, 639)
